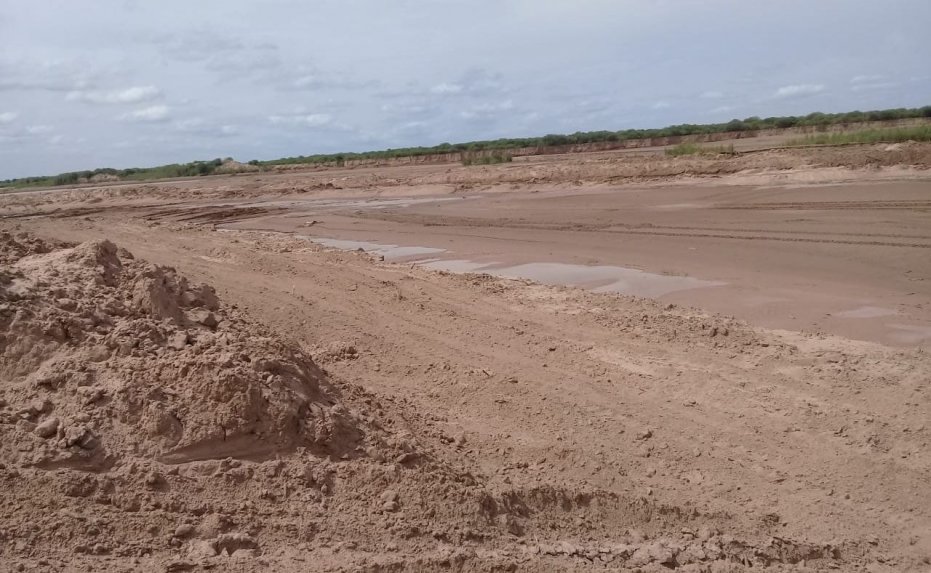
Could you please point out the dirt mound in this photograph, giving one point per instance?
(12, 250)
(232, 166)
(105, 356)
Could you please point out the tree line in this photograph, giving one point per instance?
(750, 124)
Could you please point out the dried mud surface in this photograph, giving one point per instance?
(176, 398)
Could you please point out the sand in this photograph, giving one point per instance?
(392, 416)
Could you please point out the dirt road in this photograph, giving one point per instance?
(605, 431)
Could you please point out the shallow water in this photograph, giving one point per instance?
(390, 252)
(455, 265)
(867, 312)
(601, 278)
(303, 205)
(910, 333)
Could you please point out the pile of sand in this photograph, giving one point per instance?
(104, 356)
(142, 418)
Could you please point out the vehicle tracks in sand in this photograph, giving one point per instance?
(830, 205)
(742, 234)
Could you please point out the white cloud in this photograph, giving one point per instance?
(232, 58)
(866, 79)
(195, 45)
(414, 126)
(135, 94)
(712, 94)
(302, 120)
(308, 78)
(408, 108)
(22, 134)
(154, 113)
(446, 89)
(28, 74)
(799, 90)
(201, 127)
(722, 109)
(875, 86)
(189, 124)
(309, 81)
(871, 82)
(661, 105)
(475, 82)
(487, 110)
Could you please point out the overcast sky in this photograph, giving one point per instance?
(137, 83)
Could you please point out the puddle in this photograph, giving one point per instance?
(307, 204)
(460, 266)
(390, 252)
(910, 334)
(600, 279)
(866, 312)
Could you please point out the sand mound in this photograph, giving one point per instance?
(104, 356)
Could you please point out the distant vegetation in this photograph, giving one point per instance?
(736, 125)
(193, 169)
(891, 135)
(696, 149)
(492, 159)
(750, 124)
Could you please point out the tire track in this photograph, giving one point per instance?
(772, 238)
(728, 234)
(777, 231)
(829, 205)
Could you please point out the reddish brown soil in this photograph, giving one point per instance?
(395, 418)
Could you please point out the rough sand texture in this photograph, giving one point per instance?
(324, 410)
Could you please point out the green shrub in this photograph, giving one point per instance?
(492, 159)
(893, 135)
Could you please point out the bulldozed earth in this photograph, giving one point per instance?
(209, 374)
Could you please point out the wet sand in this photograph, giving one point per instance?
(852, 259)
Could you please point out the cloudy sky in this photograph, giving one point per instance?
(136, 83)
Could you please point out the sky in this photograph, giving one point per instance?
(126, 83)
